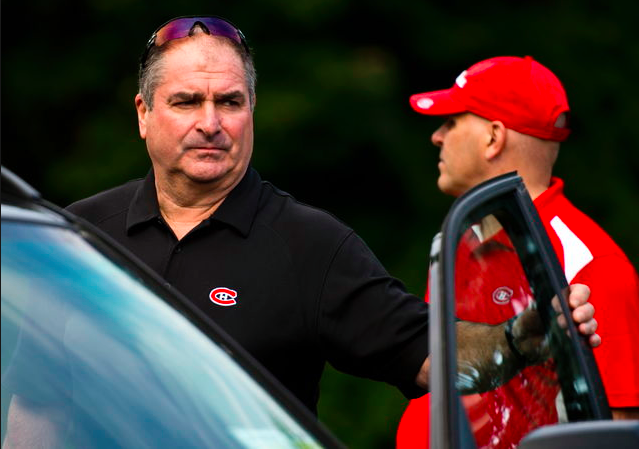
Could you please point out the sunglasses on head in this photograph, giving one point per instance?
(183, 26)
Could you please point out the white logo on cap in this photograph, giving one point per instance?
(461, 79)
(425, 103)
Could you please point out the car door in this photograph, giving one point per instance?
(491, 262)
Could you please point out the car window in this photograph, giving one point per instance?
(494, 265)
(84, 335)
(491, 287)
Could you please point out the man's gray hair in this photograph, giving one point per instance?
(150, 74)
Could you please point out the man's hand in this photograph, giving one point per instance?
(526, 334)
(583, 313)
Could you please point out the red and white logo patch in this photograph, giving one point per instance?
(502, 295)
(223, 296)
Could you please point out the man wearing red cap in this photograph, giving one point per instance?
(510, 114)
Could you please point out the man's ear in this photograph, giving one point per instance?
(142, 110)
(496, 140)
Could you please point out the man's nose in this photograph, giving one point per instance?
(437, 137)
(209, 120)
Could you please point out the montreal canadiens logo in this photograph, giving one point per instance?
(223, 296)
(502, 295)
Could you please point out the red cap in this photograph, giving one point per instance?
(520, 92)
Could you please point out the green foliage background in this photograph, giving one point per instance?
(333, 124)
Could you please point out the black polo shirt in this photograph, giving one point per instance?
(291, 283)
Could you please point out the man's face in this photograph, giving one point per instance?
(201, 125)
(462, 140)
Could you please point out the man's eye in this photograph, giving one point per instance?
(231, 103)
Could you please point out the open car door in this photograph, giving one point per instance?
(491, 262)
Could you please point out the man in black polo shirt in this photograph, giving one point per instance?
(292, 284)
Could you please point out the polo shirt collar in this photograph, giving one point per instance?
(144, 205)
(238, 210)
(549, 195)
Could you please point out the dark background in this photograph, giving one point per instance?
(333, 123)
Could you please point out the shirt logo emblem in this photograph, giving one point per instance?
(223, 296)
(502, 295)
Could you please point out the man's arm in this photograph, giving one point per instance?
(625, 413)
(485, 356)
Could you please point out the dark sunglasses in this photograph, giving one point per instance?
(181, 27)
